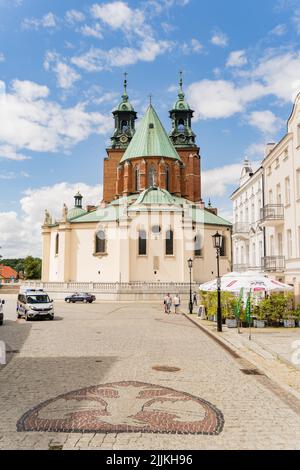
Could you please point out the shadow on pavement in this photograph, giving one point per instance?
(14, 336)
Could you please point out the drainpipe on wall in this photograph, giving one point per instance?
(263, 205)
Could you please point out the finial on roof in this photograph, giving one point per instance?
(150, 99)
(125, 96)
(180, 91)
(209, 203)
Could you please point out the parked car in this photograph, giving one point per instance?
(80, 297)
(2, 302)
(34, 303)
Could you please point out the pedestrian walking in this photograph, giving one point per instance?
(195, 302)
(176, 301)
(167, 303)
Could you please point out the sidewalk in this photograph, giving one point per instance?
(273, 350)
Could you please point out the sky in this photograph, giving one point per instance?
(61, 75)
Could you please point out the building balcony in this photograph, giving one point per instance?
(273, 263)
(272, 215)
(241, 230)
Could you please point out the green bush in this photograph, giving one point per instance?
(275, 307)
(210, 302)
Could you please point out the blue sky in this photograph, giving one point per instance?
(61, 72)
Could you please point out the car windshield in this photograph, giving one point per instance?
(38, 299)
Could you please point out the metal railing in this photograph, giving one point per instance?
(241, 227)
(273, 263)
(272, 212)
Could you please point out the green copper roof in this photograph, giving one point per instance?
(148, 200)
(150, 139)
(155, 195)
(75, 212)
(181, 103)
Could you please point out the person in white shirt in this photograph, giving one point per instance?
(176, 301)
(167, 303)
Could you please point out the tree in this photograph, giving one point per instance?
(32, 268)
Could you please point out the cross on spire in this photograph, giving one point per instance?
(125, 96)
(150, 99)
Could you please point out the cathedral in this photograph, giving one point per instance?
(151, 219)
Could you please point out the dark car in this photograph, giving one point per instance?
(80, 297)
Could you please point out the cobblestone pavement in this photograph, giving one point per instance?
(89, 380)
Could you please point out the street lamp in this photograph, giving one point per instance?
(190, 265)
(217, 241)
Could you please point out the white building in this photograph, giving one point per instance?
(247, 234)
(151, 219)
(276, 190)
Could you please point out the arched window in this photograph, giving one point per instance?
(100, 242)
(181, 125)
(142, 242)
(169, 242)
(152, 176)
(167, 178)
(197, 245)
(57, 244)
(124, 126)
(137, 179)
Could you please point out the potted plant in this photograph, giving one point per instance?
(229, 302)
(289, 319)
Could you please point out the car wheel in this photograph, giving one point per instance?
(51, 317)
(85, 301)
(1, 322)
(19, 316)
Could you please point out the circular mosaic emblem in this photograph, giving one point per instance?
(124, 407)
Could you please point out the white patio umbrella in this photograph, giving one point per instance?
(234, 282)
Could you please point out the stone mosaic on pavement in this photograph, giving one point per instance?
(88, 380)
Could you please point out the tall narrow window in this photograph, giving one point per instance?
(151, 176)
(197, 245)
(278, 194)
(289, 243)
(181, 125)
(167, 178)
(136, 178)
(124, 126)
(169, 242)
(279, 244)
(272, 248)
(100, 245)
(270, 196)
(223, 247)
(298, 182)
(57, 244)
(142, 242)
(287, 191)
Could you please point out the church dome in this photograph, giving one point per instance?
(75, 212)
(155, 195)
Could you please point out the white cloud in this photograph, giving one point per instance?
(279, 30)
(236, 59)
(98, 59)
(265, 121)
(20, 233)
(74, 16)
(118, 15)
(192, 46)
(2, 57)
(276, 75)
(256, 150)
(29, 121)
(47, 21)
(93, 31)
(215, 182)
(65, 75)
(220, 98)
(219, 39)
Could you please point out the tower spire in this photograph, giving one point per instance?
(125, 96)
(180, 91)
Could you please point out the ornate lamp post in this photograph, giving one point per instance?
(190, 265)
(217, 241)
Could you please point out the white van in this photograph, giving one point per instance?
(2, 302)
(34, 303)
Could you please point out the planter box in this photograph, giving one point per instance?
(231, 322)
(259, 323)
(289, 323)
